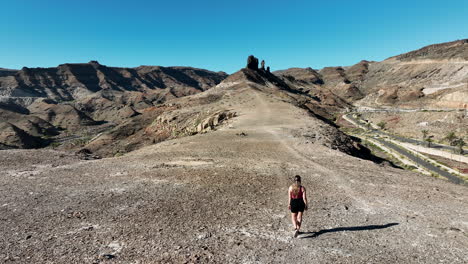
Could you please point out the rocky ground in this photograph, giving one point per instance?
(221, 197)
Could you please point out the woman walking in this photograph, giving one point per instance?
(297, 203)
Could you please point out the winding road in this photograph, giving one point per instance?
(420, 161)
(403, 139)
(408, 154)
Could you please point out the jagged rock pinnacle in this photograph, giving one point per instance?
(252, 62)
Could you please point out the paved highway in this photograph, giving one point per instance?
(420, 161)
(409, 155)
(403, 139)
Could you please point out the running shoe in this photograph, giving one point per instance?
(296, 233)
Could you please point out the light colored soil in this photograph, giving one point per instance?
(222, 198)
(439, 124)
(432, 90)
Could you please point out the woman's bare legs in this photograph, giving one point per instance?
(299, 220)
(294, 220)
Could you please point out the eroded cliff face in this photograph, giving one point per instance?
(75, 81)
(81, 100)
(76, 98)
(435, 76)
(417, 82)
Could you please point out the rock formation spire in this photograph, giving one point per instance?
(252, 62)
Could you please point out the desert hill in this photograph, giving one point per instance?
(6, 72)
(87, 101)
(76, 98)
(203, 112)
(75, 81)
(111, 111)
(444, 51)
(220, 194)
(431, 77)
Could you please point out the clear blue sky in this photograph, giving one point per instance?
(219, 35)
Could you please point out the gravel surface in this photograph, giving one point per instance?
(222, 198)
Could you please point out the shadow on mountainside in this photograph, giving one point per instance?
(350, 228)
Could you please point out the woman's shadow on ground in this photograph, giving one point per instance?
(341, 229)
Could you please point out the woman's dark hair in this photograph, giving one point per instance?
(297, 178)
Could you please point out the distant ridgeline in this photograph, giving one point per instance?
(39, 105)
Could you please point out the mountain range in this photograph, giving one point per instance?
(112, 110)
(183, 165)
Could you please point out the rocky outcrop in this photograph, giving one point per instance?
(252, 63)
(212, 121)
(192, 124)
(154, 126)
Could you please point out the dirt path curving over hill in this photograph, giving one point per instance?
(221, 197)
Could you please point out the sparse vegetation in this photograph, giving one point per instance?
(451, 138)
(429, 139)
(424, 134)
(352, 130)
(409, 167)
(119, 154)
(55, 145)
(382, 125)
(460, 143)
(81, 141)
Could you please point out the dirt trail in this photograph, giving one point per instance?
(222, 198)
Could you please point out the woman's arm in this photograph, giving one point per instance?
(289, 197)
(304, 196)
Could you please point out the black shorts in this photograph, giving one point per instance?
(297, 205)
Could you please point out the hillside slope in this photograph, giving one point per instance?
(73, 81)
(221, 197)
(202, 112)
(79, 99)
(434, 76)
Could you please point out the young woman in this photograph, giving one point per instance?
(297, 203)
